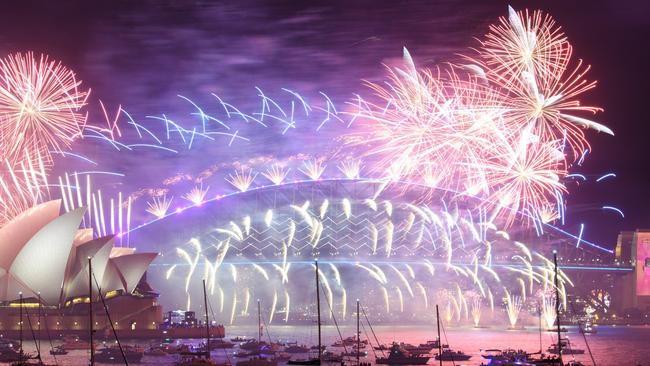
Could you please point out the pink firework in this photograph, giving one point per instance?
(505, 127)
(40, 104)
(528, 58)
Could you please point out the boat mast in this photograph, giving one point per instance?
(318, 310)
(20, 356)
(439, 339)
(259, 324)
(90, 310)
(358, 335)
(39, 321)
(557, 308)
(207, 321)
(540, 327)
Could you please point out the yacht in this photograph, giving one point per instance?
(417, 350)
(58, 351)
(433, 344)
(72, 344)
(566, 348)
(400, 356)
(258, 361)
(449, 354)
(296, 349)
(10, 351)
(588, 328)
(133, 354)
(220, 343)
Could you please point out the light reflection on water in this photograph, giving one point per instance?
(610, 346)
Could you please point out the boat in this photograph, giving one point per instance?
(350, 341)
(355, 353)
(296, 349)
(220, 343)
(433, 344)
(400, 356)
(201, 358)
(588, 328)
(58, 351)
(194, 360)
(416, 350)
(155, 351)
(258, 361)
(328, 356)
(74, 344)
(449, 354)
(381, 347)
(308, 361)
(319, 350)
(505, 357)
(132, 354)
(238, 339)
(174, 349)
(566, 348)
(10, 351)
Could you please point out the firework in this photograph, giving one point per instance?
(196, 195)
(350, 168)
(159, 206)
(276, 174)
(505, 127)
(242, 179)
(40, 103)
(313, 169)
(476, 310)
(513, 308)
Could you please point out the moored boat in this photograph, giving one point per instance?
(132, 354)
(400, 356)
(449, 354)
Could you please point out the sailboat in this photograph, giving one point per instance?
(316, 360)
(447, 354)
(259, 360)
(356, 342)
(201, 358)
(26, 360)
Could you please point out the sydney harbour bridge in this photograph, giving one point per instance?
(398, 246)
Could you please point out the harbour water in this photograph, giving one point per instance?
(612, 345)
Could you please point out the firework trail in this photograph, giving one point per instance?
(513, 307)
(287, 306)
(477, 303)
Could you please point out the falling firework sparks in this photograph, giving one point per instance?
(513, 308)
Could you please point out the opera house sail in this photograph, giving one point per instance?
(44, 261)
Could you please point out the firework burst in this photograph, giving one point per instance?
(40, 103)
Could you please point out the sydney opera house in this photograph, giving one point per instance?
(44, 267)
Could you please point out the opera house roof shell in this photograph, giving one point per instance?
(45, 253)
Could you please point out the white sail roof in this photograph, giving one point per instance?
(19, 230)
(47, 251)
(124, 272)
(42, 252)
(76, 283)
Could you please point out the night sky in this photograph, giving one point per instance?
(142, 54)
